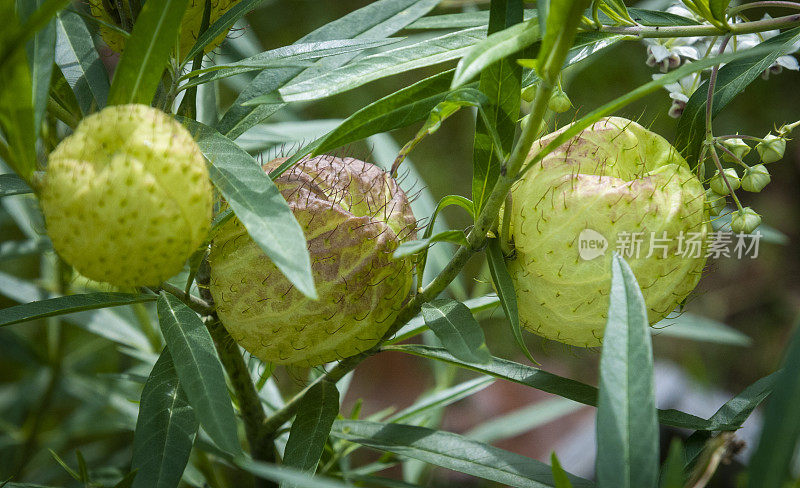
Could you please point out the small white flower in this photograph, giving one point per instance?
(680, 92)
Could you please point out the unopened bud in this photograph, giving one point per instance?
(771, 148)
(745, 221)
(529, 93)
(755, 178)
(738, 147)
(718, 182)
(559, 102)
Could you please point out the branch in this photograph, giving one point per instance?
(642, 32)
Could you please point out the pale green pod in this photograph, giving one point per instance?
(126, 197)
(588, 198)
(354, 216)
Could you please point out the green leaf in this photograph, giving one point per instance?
(559, 475)
(627, 425)
(283, 474)
(451, 451)
(296, 55)
(732, 79)
(146, 52)
(52, 307)
(557, 385)
(441, 398)
(500, 81)
(165, 428)
(697, 328)
(772, 462)
(586, 44)
(80, 63)
(221, 26)
(41, 55)
(672, 474)
(399, 109)
(412, 247)
(561, 22)
(11, 184)
(657, 18)
(199, 370)
(494, 48)
(460, 21)
(311, 427)
(257, 203)
(523, 419)
(718, 8)
(17, 119)
(417, 325)
(616, 10)
(101, 322)
(387, 63)
(460, 333)
(375, 21)
(506, 293)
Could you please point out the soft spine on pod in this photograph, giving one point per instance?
(354, 216)
(615, 186)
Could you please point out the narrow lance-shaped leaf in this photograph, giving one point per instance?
(559, 475)
(387, 63)
(460, 333)
(315, 415)
(200, 371)
(80, 63)
(16, 109)
(771, 464)
(258, 204)
(627, 424)
(222, 25)
(68, 304)
(557, 385)
(501, 83)
(146, 52)
(41, 55)
(11, 184)
(506, 293)
(165, 429)
(451, 451)
(377, 20)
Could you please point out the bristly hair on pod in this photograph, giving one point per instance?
(354, 215)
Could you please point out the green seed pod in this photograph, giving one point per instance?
(771, 149)
(718, 182)
(354, 216)
(529, 92)
(109, 11)
(126, 198)
(587, 198)
(715, 202)
(745, 221)
(738, 147)
(755, 178)
(559, 102)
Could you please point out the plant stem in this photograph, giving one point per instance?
(249, 404)
(767, 3)
(199, 305)
(260, 439)
(476, 240)
(642, 32)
